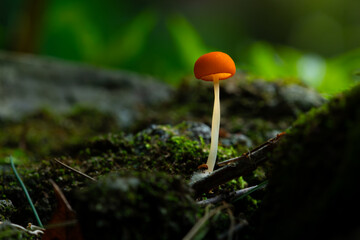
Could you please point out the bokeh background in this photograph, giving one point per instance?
(316, 42)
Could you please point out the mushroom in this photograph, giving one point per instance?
(214, 66)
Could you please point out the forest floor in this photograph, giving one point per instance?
(91, 178)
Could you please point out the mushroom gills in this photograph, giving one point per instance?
(219, 76)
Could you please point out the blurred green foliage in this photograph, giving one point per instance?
(269, 39)
(327, 75)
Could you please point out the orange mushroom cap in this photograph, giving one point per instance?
(214, 64)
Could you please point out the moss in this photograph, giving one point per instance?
(6, 209)
(159, 148)
(314, 182)
(36, 179)
(44, 133)
(136, 205)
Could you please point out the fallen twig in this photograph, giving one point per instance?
(222, 197)
(208, 214)
(74, 170)
(248, 154)
(232, 224)
(36, 232)
(255, 188)
(236, 167)
(236, 228)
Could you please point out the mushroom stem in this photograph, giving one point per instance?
(215, 125)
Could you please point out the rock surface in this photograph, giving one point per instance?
(29, 83)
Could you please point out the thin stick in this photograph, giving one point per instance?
(25, 191)
(74, 170)
(195, 229)
(32, 232)
(222, 197)
(240, 166)
(236, 228)
(232, 223)
(248, 154)
(257, 187)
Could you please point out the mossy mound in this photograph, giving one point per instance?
(153, 152)
(160, 148)
(136, 206)
(313, 191)
(170, 149)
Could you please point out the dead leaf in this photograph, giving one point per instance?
(64, 224)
